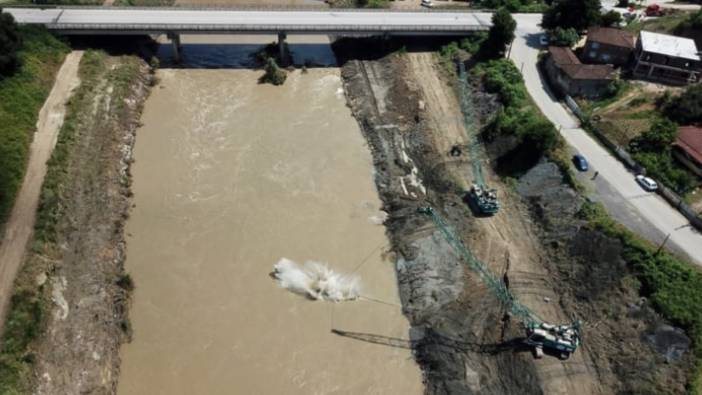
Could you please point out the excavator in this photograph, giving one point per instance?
(558, 340)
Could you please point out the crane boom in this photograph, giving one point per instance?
(562, 338)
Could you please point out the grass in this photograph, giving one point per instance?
(672, 284)
(666, 24)
(30, 302)
(21, 97)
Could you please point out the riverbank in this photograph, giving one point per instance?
(546, 242)
(69, 307)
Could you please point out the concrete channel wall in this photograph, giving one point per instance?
(673, 198)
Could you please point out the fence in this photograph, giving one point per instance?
(673, 198)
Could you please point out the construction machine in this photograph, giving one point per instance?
(482, 199)
(558, 340)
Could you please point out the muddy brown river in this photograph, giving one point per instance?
(230, 177)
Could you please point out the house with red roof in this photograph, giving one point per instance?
(688, 148)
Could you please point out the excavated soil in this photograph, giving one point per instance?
(82, 273)
(553, 263)
(465, 342)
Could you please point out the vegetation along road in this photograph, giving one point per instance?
(616, 186)
(21, 222)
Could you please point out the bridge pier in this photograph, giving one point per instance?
(281, 49)
(175, 41)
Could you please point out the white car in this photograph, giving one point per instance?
(646, 183)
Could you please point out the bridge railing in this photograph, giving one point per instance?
(210, 27)
(253, 7)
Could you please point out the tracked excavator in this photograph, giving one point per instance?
(558, 340)
(482, 199)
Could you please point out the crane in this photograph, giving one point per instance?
(561, 340)
(483, 198)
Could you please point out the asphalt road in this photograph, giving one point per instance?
(645, 213)
(101, 18)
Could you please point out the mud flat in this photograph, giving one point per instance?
(231, 176)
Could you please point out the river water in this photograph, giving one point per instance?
(230, 176)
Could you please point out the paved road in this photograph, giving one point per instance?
(91, 20)
(615, 185)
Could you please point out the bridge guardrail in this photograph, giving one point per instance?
(165, 27)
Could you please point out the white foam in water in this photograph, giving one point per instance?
(316, 281)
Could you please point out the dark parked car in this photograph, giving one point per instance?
(580, 162)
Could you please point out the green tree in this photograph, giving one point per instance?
(10, 43)
(273, 74)
(658, 138)
(578, 14)
(686, 108)
(564, 37)
(611, 18)
(500, 35)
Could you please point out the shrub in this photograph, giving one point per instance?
(21, 97)
(686, 108)
(10, 44)
(273, 74)
(611, 18)
(564, 37)
(502, 77)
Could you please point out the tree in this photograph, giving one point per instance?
(564, 37)
(500, 35)
(658, 138)
(578, 14)
(274, 74)
(686, 108)
(611, 18)
(10, 43)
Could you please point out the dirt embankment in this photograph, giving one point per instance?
(74, 275)
(633, 349)
(464, 341)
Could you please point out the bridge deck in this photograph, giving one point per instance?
(140, 20)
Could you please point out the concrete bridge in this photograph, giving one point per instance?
(176, 21)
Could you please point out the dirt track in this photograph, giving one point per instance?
(505, 240)
(21, 222)
(407, 110)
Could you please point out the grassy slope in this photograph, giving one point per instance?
(21, 98)
(30, 301)
(672, 284)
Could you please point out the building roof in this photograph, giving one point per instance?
(566, 60)
(690, 140)
(679, 47)
(563, 55)
(589, 71)
(611, 36)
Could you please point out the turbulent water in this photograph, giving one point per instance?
(316, 280)
(229, 177)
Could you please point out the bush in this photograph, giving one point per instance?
(687, 108)
(21, 97)
(564, 37)
(502, 77)
(611, 18)
(274, 74)
(10, 44)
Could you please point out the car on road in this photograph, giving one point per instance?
(580, 162)
(646, 183)
(543, 40)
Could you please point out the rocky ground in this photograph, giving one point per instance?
(76, 263)
(464, 341)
